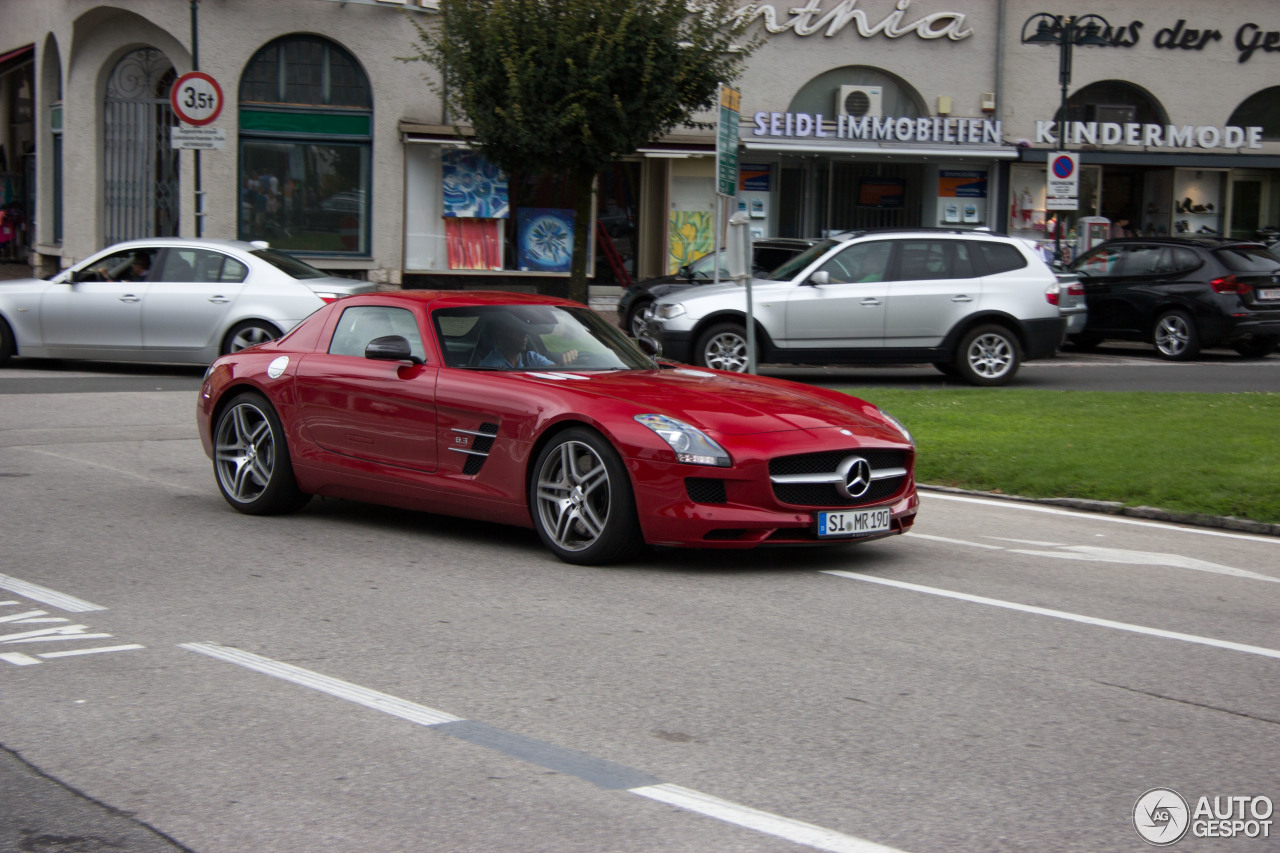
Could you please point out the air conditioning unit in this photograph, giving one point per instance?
(1112, 113)
(859, 101)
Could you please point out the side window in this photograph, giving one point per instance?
(1001, 257)
(934, 259)
(1185, 260)
(1145, 260)
(859, 262)
(179, 265)
(132, 265)
(215, 266)
(1101, 262)
(359, 325)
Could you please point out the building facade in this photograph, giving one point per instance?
(854, 114)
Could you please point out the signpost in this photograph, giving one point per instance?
(197, 100)
(1062, 192)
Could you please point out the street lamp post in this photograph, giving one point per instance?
(1065, 31)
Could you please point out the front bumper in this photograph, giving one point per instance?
(737, 508)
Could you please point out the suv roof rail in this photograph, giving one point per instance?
(921, 229)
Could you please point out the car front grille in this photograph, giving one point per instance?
(816, 479)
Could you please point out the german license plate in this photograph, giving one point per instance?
(852, 522)
(1269, 293)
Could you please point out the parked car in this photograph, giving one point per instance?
(390, 398)
(972, 303)
(766, 254)
(164, 300)
(1181, 294)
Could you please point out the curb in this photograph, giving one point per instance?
(1193, 519)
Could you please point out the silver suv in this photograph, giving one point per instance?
(971, 303)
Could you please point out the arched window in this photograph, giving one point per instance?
(306, 123)
(847, 90)
(1261, 109)
(1114, 101)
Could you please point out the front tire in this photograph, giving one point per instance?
(723, 347)
(581, 500)
(988, 355)
(7, 347)
(247, 334)
(634, 323)
(1175, 336)
(251, 458)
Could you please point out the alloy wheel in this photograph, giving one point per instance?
(573, 496)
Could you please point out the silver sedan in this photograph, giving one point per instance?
(164, 300)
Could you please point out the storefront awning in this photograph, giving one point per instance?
(874, 149)
(15, 58)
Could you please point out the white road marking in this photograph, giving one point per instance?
(769, 824)
(51, 635)
(18, 659)
(806, 834)
(94, 651)
(1098, 516)
(1062, 614)
(944, 539)
(133, 474)
(47, 596)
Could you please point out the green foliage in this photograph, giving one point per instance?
(1196, 453)
(567, 86)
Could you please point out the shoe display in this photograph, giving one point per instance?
(1205, 229)
(1199, 208)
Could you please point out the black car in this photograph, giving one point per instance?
(1182, 294)
(767, 254)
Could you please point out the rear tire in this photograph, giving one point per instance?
(988, 355)
(581, 500)
(723, 347)
(247, 334)
(1175, 336)
(1084, 342)
(251, 458)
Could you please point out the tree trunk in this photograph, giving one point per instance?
(583, 184)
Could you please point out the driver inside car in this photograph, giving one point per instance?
(511, 348)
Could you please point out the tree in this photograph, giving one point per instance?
(563, 87)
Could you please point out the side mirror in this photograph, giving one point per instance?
(391, 348)
(649, 346)
(820, 277)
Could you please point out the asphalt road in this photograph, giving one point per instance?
(174, 675)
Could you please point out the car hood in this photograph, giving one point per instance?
(724, 403)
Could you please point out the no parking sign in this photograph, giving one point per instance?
(1063, 181)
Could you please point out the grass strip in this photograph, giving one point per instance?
(1217, 454)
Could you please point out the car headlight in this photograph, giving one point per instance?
(669, 311)
(897, 423)
(690, 444)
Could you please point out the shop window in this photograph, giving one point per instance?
(1114, 101)
(305, 148)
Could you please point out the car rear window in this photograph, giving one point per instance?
(288, 264)
(1000, 257)
(1248, 259)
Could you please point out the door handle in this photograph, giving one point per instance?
(129, 297)
(219, 300)
(963, 297)
(871, 302)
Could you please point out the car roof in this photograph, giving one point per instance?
(1203, 241)
(457, 298)
(208, 242)
(925, 230)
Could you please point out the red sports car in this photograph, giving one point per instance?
(533, 411)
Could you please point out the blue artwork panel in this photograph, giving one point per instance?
(544, 238)
(474, 188)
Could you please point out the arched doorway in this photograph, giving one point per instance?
(140, 168)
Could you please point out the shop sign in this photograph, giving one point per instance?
(958, 131)
(1063, 181)
(812, 19)
(1149, 135)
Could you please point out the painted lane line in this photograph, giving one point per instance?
(1062, 614)
(764, 822)
(334, 687)
(47, 596)
(18, 659)
(1098, 516)
(600, 772)
(947, 541)
(94, 651)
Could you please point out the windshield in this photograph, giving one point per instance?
(534, 337)
(791, 268)
(288, 264)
